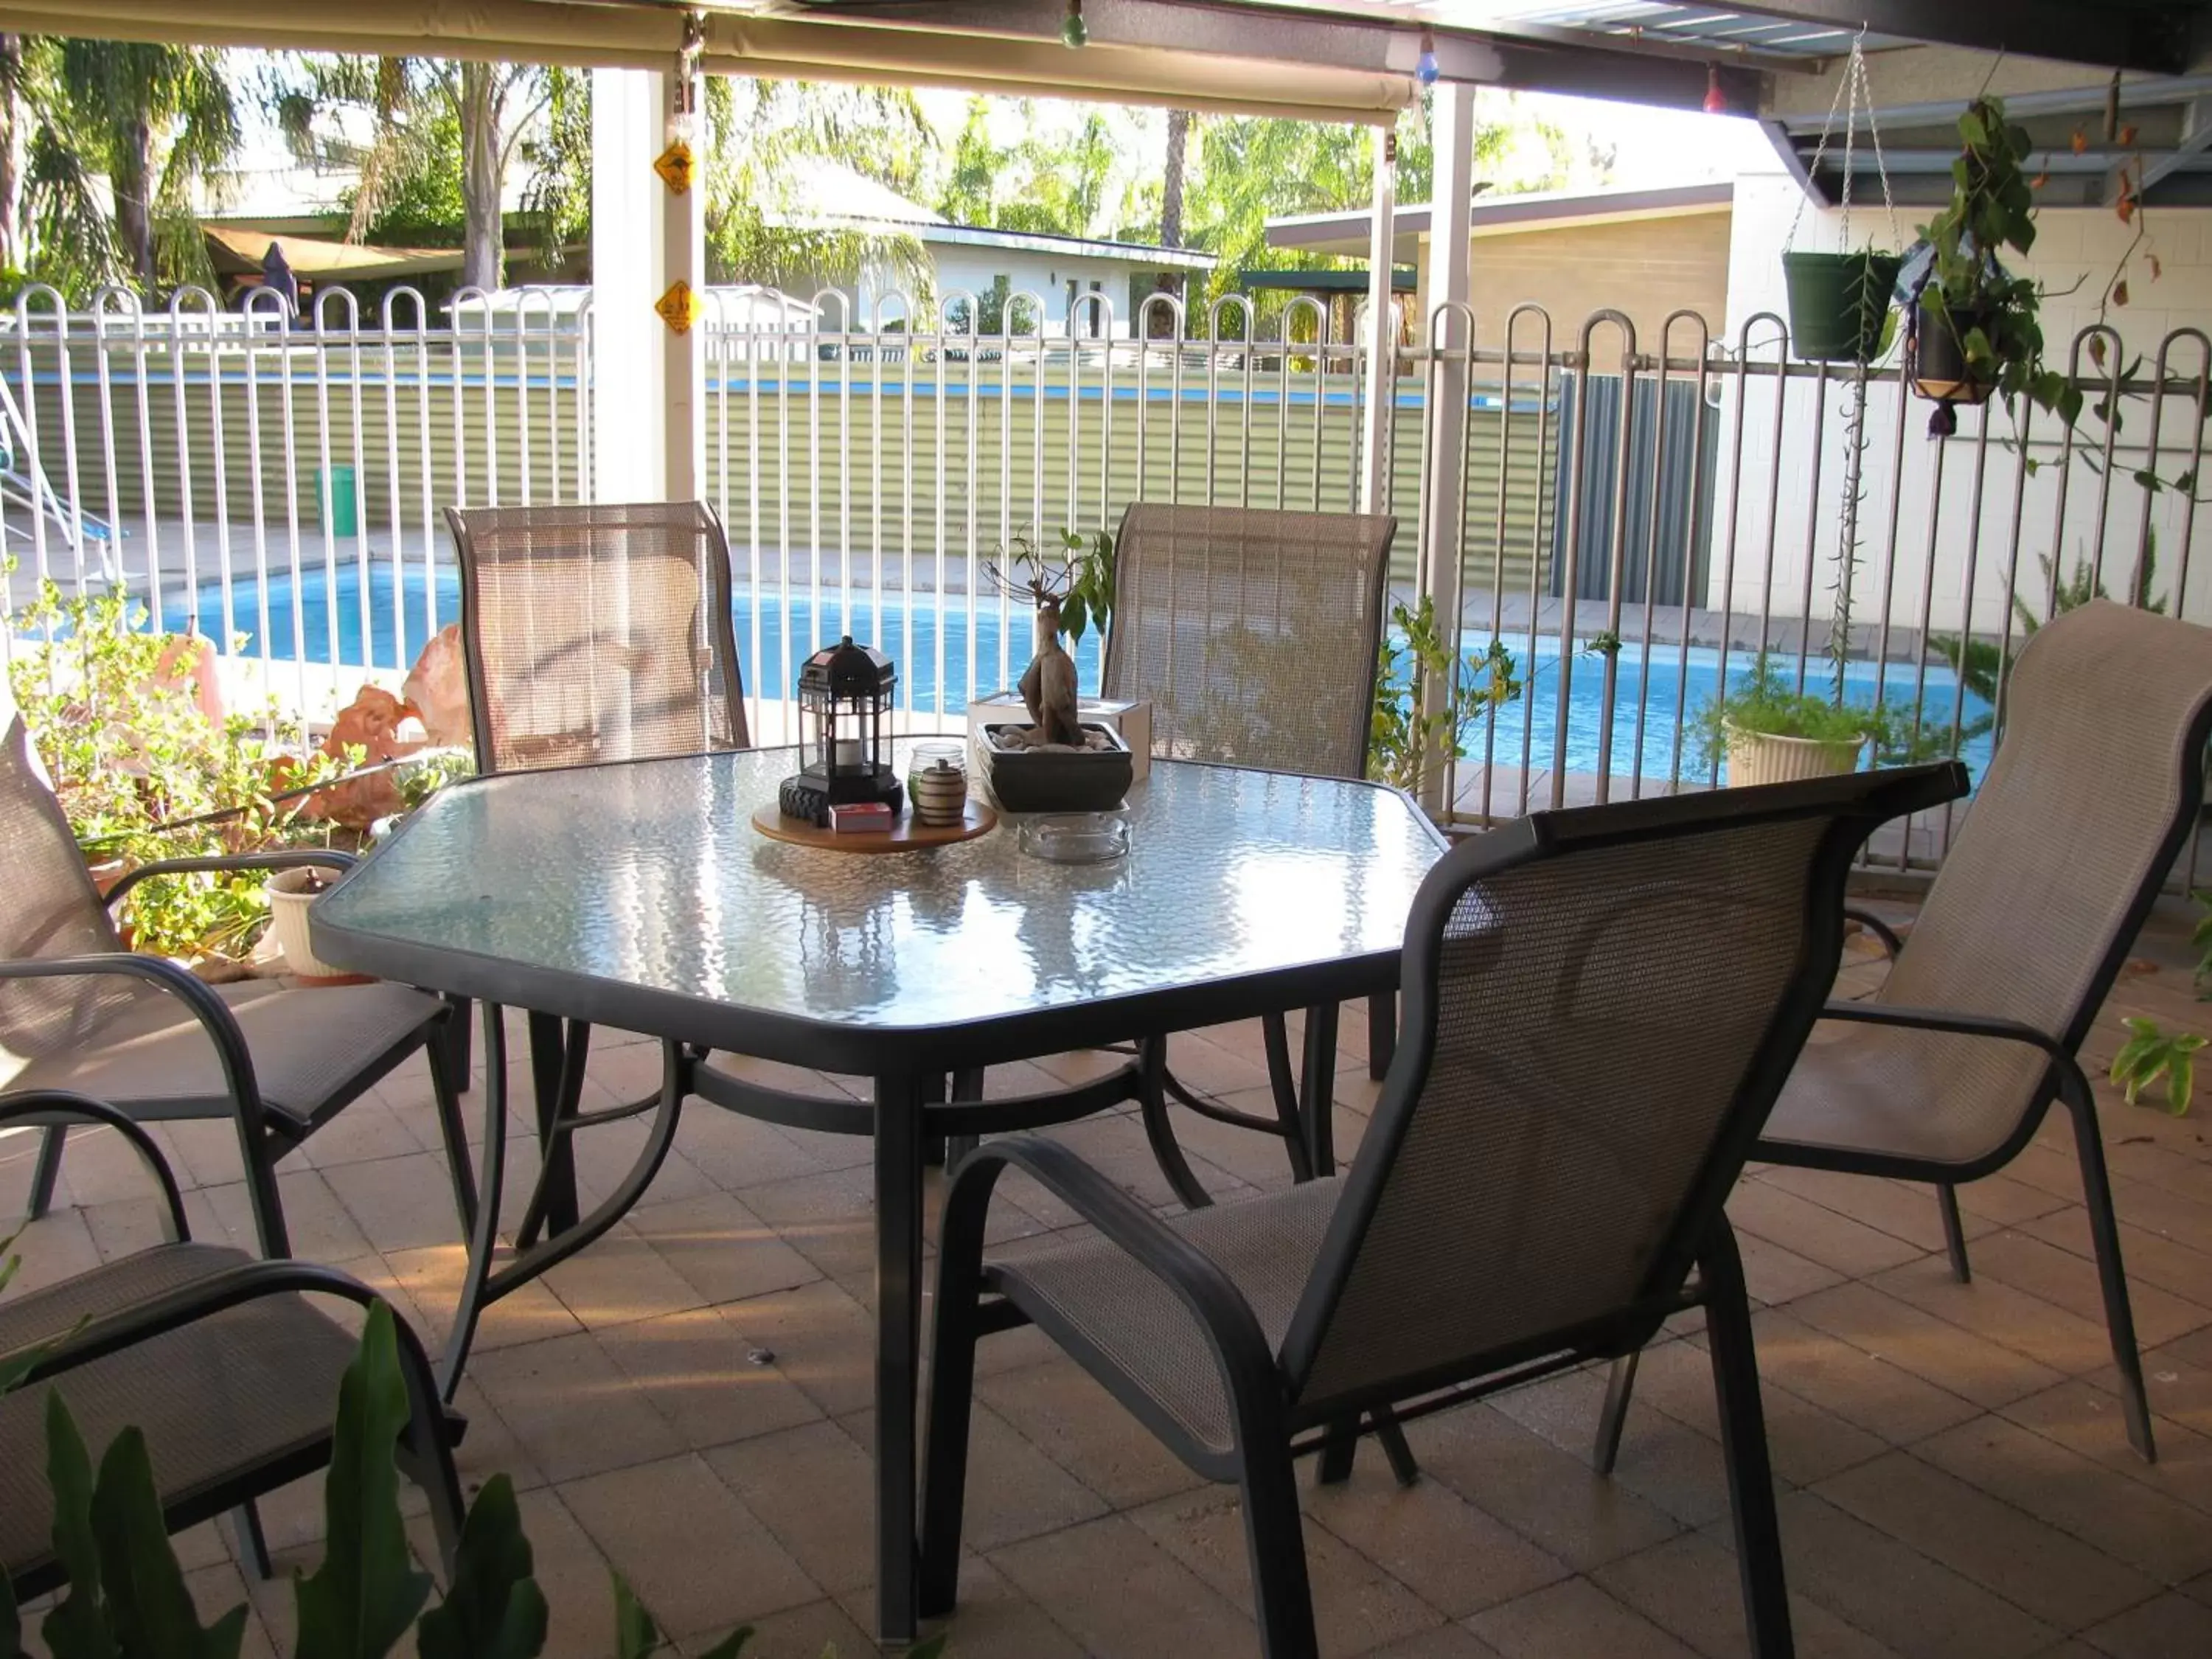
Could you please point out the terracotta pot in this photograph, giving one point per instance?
(1755, 758)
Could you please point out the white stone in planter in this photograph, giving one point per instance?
(1755, 758)
(288, 920)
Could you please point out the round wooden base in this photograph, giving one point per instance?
(905, 835)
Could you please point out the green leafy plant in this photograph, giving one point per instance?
(2151, 1054)
(1992, 315)
(142, 774)
(1405, 736)
(1076, 574)
(1765, 704)
(126, 1597)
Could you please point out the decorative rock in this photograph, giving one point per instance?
(437, 688)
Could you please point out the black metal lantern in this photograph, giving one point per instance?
(844, 725)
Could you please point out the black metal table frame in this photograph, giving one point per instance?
(907, 1066)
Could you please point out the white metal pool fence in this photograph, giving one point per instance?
(1633, 519)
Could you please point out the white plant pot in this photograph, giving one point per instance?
(287, 921)
(1755, 758)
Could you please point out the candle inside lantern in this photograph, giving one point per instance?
(848, 751)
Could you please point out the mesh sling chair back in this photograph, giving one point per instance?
(1600, 1006)
(222, 1362)
(597, 632)
(80, 1011)
(1254, 633)
(1946, 1072)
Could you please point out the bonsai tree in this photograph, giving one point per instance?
(1069, 593)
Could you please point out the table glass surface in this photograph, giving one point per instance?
(651, 874)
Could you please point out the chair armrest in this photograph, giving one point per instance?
(248, 1281)
(46, 1105)
(1247, 1360)
(196, 994)
(1891, 944)
(274, 858)
(2072, 1080)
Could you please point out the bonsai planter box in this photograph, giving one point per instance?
(1131, 721)
(1054, 779)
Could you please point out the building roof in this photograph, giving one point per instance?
(1346, 231)
(237, 251)
(1404, 279)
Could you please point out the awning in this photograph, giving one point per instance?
(238, 252)
(633, 33)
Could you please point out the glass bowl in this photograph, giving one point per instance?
(1076, 837)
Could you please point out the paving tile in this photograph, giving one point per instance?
(1664, 1462)
(1882, 1398)
(827, 1216)
(650, 1520)
(571, 1407)
(398, 1203)
(2086, 1417)
(1804, 1442)
(1815, 1232)
(699, 1373)
(2028, 1263)
(2169, 1628)
(1119, 1594)
(620, 1279)
(2012, 1317)
(1357, 1605)
(1445, 1642)
(1920, 1608)
(1689, 1587)
(821, 1339)
(2056, 1576)
(1572, 1620)
(813, 1488)
(1060, 1410)
(1904, 1210)
(721, 1249)
(2152, 1257)
(1014, 1490)
(1549, 1497)
(993, 1621)
(2125, 1518)
(1451, 1554)
(1952, 1357)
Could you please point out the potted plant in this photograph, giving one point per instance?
(1839, 303)
(1769, 732)
(1974, 328)
(1057, 763)
(290, 892)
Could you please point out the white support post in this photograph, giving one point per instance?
(1446, 329)
(648, 402)
(1381, 390)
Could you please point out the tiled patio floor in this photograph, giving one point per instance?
(689, 1403)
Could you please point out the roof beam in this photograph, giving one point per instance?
(2195, 136)
(2157, 40)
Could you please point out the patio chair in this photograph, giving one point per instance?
(78, 1010)
(1254, 633)
(1944, 1074)
(1600, 1006)
(592, 634)
(219, 1360)
(597, 632)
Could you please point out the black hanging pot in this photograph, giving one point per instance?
(1940, 369)
(1838, 303)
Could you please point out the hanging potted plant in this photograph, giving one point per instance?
(1839, 303)
(1974, 328)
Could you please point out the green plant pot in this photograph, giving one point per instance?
(1838, 303)
(1940, 369)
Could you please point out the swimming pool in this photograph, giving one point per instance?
(912, 632)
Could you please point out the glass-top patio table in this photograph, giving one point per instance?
(638, 895)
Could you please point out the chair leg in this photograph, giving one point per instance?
(951, 1396)
(460, 1039)
(1339, 1448)
(1283, 1085)
(967, 1085)
(1743, 1443)
(1954, 1232)
(1614, 1413)
(259, 1153)
(1276, 1542)
(445, 1090)
(47, 1170)
(2104, 1231)
(1395, 1448)
(252, 1542)
(1152, 1104)
(1382, 1033)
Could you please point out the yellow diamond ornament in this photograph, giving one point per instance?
(678, 308)
(675, 166)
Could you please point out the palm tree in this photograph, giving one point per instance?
(154, 118)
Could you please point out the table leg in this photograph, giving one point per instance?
(552, 1040)
(1317, 1088)
(898, 1349)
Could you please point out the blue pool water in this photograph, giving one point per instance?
(910, 632)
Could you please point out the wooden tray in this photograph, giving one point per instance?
(905, 835)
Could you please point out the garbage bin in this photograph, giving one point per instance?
(338, 501)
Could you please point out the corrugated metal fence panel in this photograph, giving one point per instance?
(821, 462)
(1672, 563)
